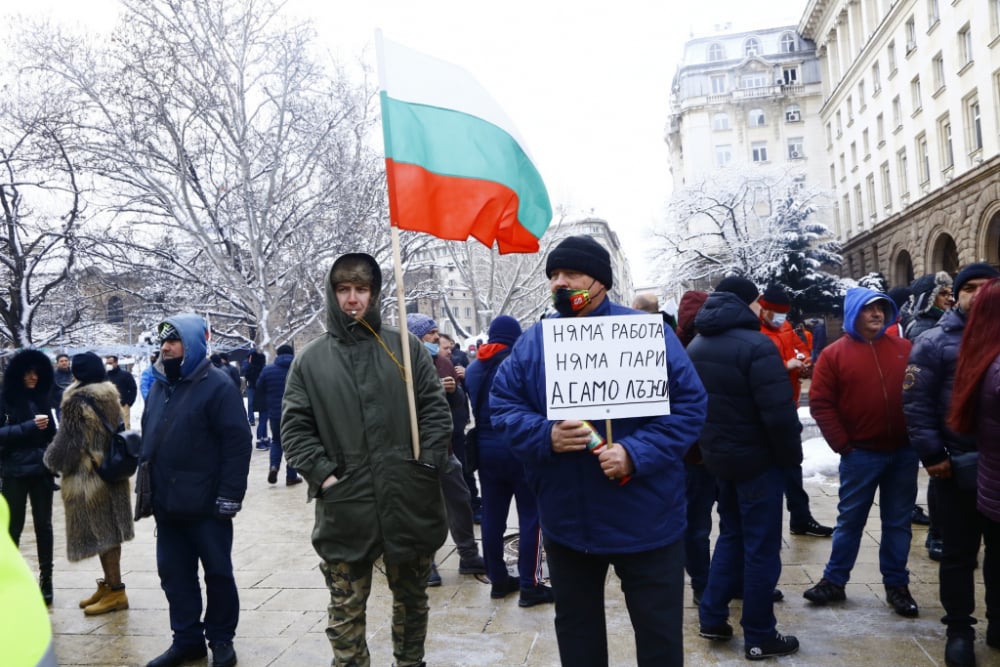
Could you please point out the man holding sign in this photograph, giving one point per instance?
(620, 370)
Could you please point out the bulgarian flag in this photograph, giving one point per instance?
(456, 165)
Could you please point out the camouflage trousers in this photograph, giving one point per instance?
(350, 585)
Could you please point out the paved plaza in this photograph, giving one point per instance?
(283, 601)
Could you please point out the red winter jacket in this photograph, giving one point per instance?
(856, 395)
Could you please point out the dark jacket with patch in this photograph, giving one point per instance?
(752, 423)
(195, 432)
(927, 389)
(22, 444)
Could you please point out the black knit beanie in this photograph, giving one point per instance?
(741, 287)
(973, 271)
(505, 330)
(583, 254)
(88, 368)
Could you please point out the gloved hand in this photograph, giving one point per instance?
(226, 508)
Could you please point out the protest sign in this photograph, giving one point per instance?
(605, 367)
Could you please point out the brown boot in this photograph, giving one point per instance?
(113, 601)
(102, 590)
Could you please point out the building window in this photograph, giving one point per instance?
(890, 54)
(870, 187)
(876, 79)
(865, 146)
(937, 67)
(846, 208)
(840, 124)
(915, 94)
(946, 148)
(758, 151)
(923, 160)
(788, 43)
(795, 148)
(886, 187)
(723, 155)
(756, 118)
(933, 14)
(755, 80)
(911, 35)
(829, 134)
(716, 53)
(975, 124)
(995, 17)
(850, 110)
(861, 95)
(859, 209)
(751, 47)
(116, 310)
(965, 45)
(790, 75)
(854, 155)
(897, 113)
(833, 176)
(843, 167)
(901, 169)
(793, 114)
(720, 121)
(718, 84)
(879, 129)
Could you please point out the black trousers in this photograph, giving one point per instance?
(38, 489)
(653, 584)
(962, 528)
(180, 546)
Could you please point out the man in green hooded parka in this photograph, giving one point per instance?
(345, 427)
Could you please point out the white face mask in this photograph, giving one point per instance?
(779, 319)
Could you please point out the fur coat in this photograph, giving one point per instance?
(98, 514)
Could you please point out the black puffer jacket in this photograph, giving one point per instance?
(22, 444)
(751, 423)
(927, 387)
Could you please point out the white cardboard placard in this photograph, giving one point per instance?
(605, 367)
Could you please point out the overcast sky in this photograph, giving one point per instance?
(586, 82)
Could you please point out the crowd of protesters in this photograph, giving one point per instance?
(914, 379)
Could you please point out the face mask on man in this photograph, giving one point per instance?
(109, 367)
(779, 319)
(569, 302)
(432, 348)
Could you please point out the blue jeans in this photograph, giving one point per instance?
(262, 418)
(250, 393)
(180, 545)
(894, 475)
(701, 493)
(276, 450)
(747, 556)
(502, 478)
(653, 584)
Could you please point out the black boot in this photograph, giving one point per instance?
(45, 584)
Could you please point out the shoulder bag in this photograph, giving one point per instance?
(122, 458)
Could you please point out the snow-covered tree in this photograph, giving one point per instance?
(757, 223)
(42, 209)
(237, 166)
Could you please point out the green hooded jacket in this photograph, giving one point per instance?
(345, 413)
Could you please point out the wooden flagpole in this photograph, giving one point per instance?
(404, 333)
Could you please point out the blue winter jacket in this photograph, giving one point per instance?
(478, 383)
(927, 388)
(271, 382)
(578, 505)
(195, 432)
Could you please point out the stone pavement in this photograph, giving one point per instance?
(283, 601)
